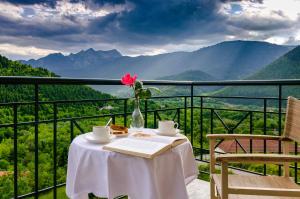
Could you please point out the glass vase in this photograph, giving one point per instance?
(137, 121)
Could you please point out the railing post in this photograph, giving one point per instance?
(251, 131)
(265, 132)
(178, 117)
(185, 115)
(154, 119)
(201, 127)
(211, 121)
(192, 114)
(54, 150)
(15, 110)
(113, 119)
(72, 130)
(146, 114)
(279, 122)
(296, 164)
(36, 140)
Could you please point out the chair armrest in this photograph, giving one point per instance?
(258, 158)
(246, 136)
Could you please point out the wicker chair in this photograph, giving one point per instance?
(224, 186)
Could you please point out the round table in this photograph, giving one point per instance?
(109, 174)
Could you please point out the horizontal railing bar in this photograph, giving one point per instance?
(231, 167)
(128, 113)
(82, 100)
(78, 118)
(240, 97)
(62, 101)
(238, 110)
(60, 120)
(41, 191)
(120, 99)
(205, 172)
(91, 81)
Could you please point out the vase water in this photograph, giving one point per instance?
(137, 121)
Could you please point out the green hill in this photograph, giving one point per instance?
(190, 75)
(285, 67)
(26, 137)
(9, 93)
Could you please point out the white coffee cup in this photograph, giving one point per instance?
(167, 127)
(101, 133)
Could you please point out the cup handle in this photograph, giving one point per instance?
(176, 125)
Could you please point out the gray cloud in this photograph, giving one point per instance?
(141, 24)
(50, 3)
(150, 22)
(260, 24)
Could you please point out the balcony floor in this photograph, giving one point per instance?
(198, 189)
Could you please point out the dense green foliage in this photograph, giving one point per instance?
(25, 93)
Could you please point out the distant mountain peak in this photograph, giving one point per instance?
(84, 52)
(56, 54)
(103, 53)
(90, 50)
(114, 51)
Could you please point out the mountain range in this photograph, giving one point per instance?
(226, 60)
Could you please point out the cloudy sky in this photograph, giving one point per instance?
(35, 28)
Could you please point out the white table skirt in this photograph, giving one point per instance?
(109, 174)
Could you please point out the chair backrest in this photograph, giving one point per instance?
(292, 120)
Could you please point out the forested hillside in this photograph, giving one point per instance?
(25, 93)
(190, 75)
(285, 67)
(26, 147)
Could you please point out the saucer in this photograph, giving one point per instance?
(92, 139)
(163, 134)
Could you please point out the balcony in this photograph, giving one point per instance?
(36, 131)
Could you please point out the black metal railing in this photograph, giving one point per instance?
(189, 110)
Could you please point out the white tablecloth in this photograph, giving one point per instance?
(109, 174)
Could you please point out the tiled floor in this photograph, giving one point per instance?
(198, 189)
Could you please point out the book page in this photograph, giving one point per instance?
(137, 147)
(159, 138)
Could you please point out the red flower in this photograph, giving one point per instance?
(128, 80)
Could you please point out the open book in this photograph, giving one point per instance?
(144, 146)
